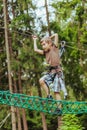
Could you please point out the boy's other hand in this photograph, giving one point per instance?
(34, 37)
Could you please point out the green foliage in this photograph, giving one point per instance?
(71, 122)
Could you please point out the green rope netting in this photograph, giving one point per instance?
(42, 104)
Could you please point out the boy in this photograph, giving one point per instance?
(51, 53)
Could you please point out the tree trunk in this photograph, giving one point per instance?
(14, 81)
(59, 122)
(43, 121)
(47, 17)
(19, 119)
(23, 111)
(24, 119)
(8, 63)
(42, 114)
(17, 109)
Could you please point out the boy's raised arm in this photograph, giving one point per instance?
(35, 46)
(55, 37)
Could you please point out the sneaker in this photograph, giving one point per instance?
(57, 111)
(49, 97)
(65, 97)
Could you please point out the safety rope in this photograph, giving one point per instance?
(42, 104)
(29, 33)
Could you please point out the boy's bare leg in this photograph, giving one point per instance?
(57, 95)
(44, 86)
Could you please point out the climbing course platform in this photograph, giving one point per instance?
(42, 104)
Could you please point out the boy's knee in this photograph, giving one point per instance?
(57, 93)
(41, 81)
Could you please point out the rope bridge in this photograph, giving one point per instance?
(42, 104)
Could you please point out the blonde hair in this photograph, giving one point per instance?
(47, 39)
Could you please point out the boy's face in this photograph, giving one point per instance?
(46, 46)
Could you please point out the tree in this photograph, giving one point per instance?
(8, 64)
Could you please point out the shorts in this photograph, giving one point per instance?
(52, 81)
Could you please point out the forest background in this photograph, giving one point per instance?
(68, 18)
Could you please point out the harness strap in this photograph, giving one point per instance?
(52, 67)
